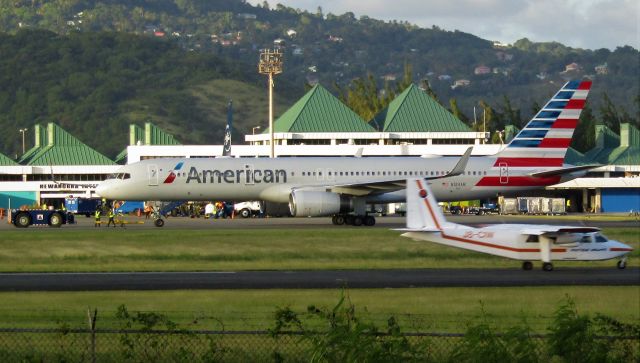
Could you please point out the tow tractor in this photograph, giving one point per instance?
(40, 217)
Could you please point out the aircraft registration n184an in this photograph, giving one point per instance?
(526, 242)
(342, 186)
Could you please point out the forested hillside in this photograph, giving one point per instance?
(173, 49)
(96, 84)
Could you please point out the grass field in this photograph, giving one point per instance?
(423, 309)
(37, 250)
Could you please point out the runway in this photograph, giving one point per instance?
(317, 279)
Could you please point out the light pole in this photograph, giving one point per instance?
(270, 64)
(22, 131)
(253, 130)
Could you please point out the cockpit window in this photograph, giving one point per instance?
(585, 239)
(600, 238)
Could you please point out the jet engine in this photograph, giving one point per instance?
(317, 204)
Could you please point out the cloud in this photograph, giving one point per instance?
(578, 23)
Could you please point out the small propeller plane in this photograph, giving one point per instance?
(525, 242)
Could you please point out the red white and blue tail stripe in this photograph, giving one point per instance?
(545, 139)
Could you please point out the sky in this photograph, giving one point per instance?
(589, 24)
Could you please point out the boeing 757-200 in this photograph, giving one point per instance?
(342, 186)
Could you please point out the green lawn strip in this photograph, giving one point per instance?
(256, 249)
(420, 309)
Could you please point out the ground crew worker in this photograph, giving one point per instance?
(97, 217)
(112, 215)
(568, 209)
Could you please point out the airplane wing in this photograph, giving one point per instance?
(542, 230)
(563, 171)
(391, 185)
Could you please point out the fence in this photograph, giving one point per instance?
(104, 345)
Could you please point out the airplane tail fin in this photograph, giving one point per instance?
(226, 149)
(423, 212)
(544, 141)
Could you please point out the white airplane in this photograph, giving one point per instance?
(525, 242)
(342, 186)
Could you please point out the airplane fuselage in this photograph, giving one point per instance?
(508, 241)
(274, 179)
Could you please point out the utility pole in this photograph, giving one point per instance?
(270, 64)
(23, 131)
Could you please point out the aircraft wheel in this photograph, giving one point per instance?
(547, 266)
(339, 220)
(55, 220)
(527, 265)
(333, 220)
(23, 220)
(369, 221)
(159, 222)
(357, 221)
(348, 220)
(622, 264)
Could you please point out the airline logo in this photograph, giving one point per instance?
(172, 174)
(544, 140)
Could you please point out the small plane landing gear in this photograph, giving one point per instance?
(527, 265)
(159, 222)
(622, 264)
(353, 220)
(547, 266)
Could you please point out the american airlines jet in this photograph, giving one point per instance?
(342, 186)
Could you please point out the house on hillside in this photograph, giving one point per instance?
(460, 83)
(572, 67)
(602, 69)
(480, 70)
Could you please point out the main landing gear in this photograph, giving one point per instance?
(547, 266)
(353, 220)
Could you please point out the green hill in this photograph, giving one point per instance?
(95, 84)
(104, 64)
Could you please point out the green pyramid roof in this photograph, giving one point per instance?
(40, 141)
(6, 161)
(320, 111)
(150, 135)
(574, 157)
(62, 148)
(612, 149)
(415, 111)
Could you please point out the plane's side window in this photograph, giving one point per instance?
(485, 172)
(126, 176)
(585, 239)
(600, 238)
(533, 238)
(303, 173)
(340, 173)
(329, 173)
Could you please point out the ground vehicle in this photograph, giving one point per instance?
(40, 217)
(247, 209)
(82, 205)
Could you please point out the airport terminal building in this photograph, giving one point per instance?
(60, 166)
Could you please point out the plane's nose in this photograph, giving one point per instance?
(103, 189)
(620, 247)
